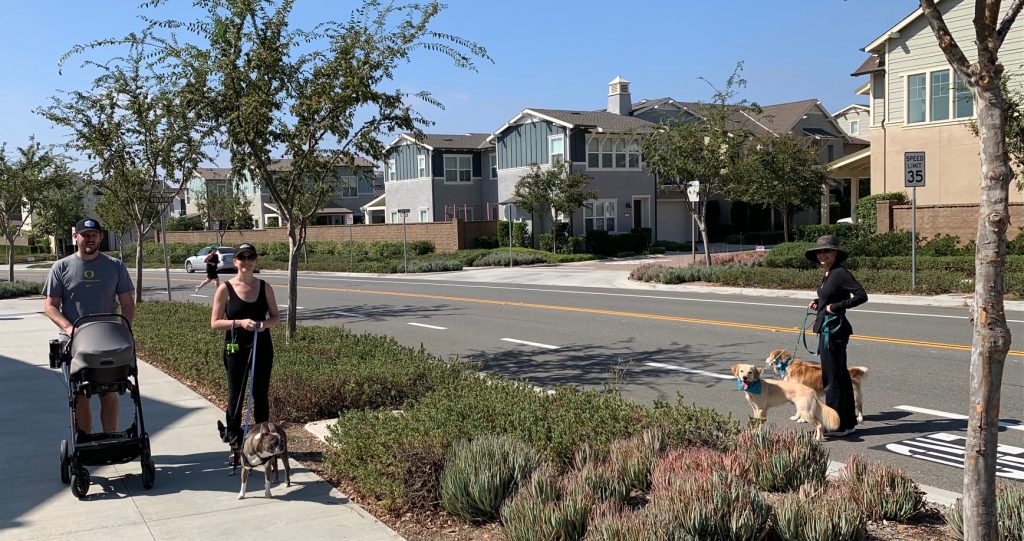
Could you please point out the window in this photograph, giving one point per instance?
(831, 153)
(963, 105)
(494, 165)
(916, 98)
(421, 166)
(424, 216)
(854, 127)
(458, 168)
(394, 218)
(365, 185)
(347, 187)
(599, 215)
(556, 150)
(940, 95)
(391, 169)
(933, 96)
(613, 153)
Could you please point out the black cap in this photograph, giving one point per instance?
(88, 224)
(245, 247)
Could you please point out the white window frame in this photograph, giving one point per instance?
(394, 217)
(613, 153)
(551, 153)
(928, 113)
(424, 214)
(458, 168)
(421, 165)
(391, 169)
(493, 162)
(348, 187)
(591, 219)
(855, 127)
(949, 97)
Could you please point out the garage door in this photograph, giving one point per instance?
(673, 221)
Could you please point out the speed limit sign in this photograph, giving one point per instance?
(913, 167)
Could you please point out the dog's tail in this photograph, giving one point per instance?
(858, 373)
(829, 417)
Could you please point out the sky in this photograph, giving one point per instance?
(558, 55)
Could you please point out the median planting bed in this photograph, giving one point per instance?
(440, 452)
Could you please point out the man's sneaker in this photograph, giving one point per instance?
(841, 433)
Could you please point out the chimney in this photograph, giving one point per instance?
(619, 101)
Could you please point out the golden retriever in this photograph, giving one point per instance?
(792, 369)
(763, 394)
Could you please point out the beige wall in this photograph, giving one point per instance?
(446, 236)
(960, 220)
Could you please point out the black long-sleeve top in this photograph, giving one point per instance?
(840, 290)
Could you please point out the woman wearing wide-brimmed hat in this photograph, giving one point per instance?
(838, 292)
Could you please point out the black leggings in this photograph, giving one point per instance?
(236, 365)
(835, 378)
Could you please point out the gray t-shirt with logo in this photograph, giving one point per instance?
(87, 287)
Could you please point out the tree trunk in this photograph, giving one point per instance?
(295, 241)
(991, 334)
(785, 224)
(702, 224)
(10, 260)
(554, 231)
(138, 265)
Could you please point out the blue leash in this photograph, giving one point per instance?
(826, 331)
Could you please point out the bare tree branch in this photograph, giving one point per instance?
(947, 43)
(1004, 26)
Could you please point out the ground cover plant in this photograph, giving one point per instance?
(17, 288)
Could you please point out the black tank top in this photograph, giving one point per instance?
(240, 309)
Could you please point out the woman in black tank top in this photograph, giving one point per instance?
(241, 306)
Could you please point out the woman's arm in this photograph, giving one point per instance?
(846, 282)
(272, 309)
(218, 317)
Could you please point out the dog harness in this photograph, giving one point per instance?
(829, 325)
(780, 365)
(752, 388)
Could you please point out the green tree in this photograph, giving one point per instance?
(555, 190)
(707, 150)
(24, 180)
(144, 128)
(223, 207)
(117, 222)
(59, 210)
(316, 97)
(992, 338)
(780, 172)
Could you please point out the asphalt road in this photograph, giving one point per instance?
(670, 344)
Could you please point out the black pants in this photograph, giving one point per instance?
(835, 378)
(236, 365)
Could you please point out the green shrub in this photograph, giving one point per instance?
(17, 288)
(436, 265)
(499, 258)
(782, 460)
(673, 246)
(790, 255)
(893, 243)
(940, 246)
(827, 517)
(663, 274)
(520, 234)
(1016, 246)
(386, 249)
(355, 250)
(810, 233)
(421, 247)
(325, 247)
(1009, 514)
(656, 250)
(480, 474)
(487, 242)
(867, 209)
(880, 491)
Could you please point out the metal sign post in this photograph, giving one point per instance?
(693, 195)
(510, 210)
(405, 239)
(913, 178)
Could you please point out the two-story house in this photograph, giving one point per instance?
(356, 187)
(854, 120)
(917, 103)
(438, 177)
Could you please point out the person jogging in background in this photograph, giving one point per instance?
(84, 283)
(212, 261)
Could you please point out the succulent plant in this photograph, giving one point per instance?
(1009, 514)
(823, 517)
(881, 491)
(480, 474)
(782, 460)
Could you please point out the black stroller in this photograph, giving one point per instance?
(100, 358)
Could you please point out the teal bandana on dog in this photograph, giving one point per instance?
(753, 388)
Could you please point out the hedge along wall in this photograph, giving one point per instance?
(952, 219)
(446, 236)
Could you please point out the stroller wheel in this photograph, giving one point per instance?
(80, 483)
(148, 473)
(65, 463)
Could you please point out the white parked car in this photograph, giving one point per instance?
(227, 255)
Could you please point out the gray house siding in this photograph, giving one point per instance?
(523, 144)
(408, 194)
(406, 163)
(817, 119)
(621, 186)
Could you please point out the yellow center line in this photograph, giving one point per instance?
(641, 315)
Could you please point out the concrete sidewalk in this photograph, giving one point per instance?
(193, 498)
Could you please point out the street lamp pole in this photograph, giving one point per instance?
(405, 239)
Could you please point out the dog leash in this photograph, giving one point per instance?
(247, 422)
(826, 331)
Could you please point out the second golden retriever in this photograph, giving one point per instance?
(790, 368)
(763, 394)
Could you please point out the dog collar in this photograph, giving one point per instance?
(753, 388)
(781, 365)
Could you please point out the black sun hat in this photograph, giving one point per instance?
(826, 242)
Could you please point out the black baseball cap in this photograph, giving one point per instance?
(88, 224)
(245, 247)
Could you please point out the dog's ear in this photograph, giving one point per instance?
(755, 371)
(264, 429)
(736, 370)
(258, 436)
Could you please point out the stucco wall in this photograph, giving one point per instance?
(960, 220)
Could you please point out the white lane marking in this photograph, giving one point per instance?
(948, 449)
(348, 314)
(534, 344)
(429, 326)
(1012, 425)
(689, 370)
(637, 296)
(286, 306)
(198, 295)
